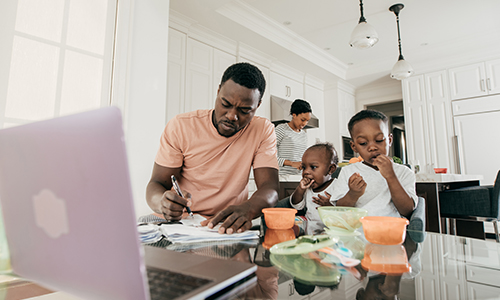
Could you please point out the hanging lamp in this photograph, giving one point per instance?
(402, 69)
(364, 35)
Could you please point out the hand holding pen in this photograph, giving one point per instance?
(179, 192)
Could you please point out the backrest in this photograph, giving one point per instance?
(417, 222)
(495, 196)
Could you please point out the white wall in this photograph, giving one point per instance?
(140, 83)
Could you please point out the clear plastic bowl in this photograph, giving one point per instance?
(341, 218)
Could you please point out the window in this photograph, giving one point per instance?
(57, 58)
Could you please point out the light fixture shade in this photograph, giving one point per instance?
(401, 70)
(363, 36)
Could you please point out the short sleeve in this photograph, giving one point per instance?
(407, 179)
(340, 186)
(170, 152)
(265, 156)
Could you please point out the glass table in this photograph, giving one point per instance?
(441, 267)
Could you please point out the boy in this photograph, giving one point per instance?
(377, 184)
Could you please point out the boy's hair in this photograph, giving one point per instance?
(329, 150)
(246, 75)
(300, 106)
(366, 114)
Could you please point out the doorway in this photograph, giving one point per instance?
(395, 113)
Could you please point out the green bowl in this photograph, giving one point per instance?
(341, 219)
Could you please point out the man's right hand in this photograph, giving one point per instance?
(172, 205)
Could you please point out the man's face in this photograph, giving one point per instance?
(371, 138)
(235, 107)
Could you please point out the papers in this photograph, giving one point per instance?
(190, 231)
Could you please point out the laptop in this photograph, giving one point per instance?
(69, 216)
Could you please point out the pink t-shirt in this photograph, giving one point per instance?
(215, 169)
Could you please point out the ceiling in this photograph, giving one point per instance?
(313, 35)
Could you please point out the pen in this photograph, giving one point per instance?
(179, 192)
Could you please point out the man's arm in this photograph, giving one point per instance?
(161, 199)
(238, 218)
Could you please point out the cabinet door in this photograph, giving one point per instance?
(222, 61)
(493, 76)
(315, 97)
(176, 72)
(473, 147)
(296, 89)
(467, 81)
(416, 120)
(285, 87)
(440, 121)
(481, 291)
(199, 84)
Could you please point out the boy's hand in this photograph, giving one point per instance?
(357, 185)
(384, 165)
(323, 200)
(306, 183)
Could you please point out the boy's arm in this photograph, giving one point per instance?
(403, 202)
(357, 187)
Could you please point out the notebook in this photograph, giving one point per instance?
(69, 216)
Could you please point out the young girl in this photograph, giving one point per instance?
(318, 164)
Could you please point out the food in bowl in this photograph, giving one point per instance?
(341, 219)
(384, 230)
(440, 170)
(279, 217)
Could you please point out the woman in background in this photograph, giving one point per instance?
(291, 139)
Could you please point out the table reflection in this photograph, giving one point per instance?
(378, 275)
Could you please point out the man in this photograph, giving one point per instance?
(211, 153)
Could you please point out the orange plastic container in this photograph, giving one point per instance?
(279, 218)
(275, 236)
(440, 170)
(384, 230)
(391, 260)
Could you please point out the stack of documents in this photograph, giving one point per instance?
(190, 231)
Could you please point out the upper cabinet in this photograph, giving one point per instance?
(286, 88)
(474, 80)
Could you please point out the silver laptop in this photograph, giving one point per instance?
(69, 216)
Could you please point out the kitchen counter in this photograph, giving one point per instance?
(427, 177)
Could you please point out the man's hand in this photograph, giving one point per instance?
(236, 219)
(323, 200)
(384, 164)
(357, 185)
(172, 205)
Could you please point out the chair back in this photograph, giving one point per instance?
(495, 196)
(417, 222)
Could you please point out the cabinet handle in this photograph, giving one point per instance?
(488, 84)
(457, 151)
(482, 86)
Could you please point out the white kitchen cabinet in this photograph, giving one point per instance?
(176, 72)
(480, 291)
(440, 121)
(429, 121)
(475, 80)
(199, 67)
(415, 111)
(470, 130)
(446, 278)
(222, 61)
(284, 87)
(315, 97)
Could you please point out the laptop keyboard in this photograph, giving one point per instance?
(164, 284)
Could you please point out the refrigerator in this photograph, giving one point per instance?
(477, 136)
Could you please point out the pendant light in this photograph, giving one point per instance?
(364, 35)
(402, 69)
